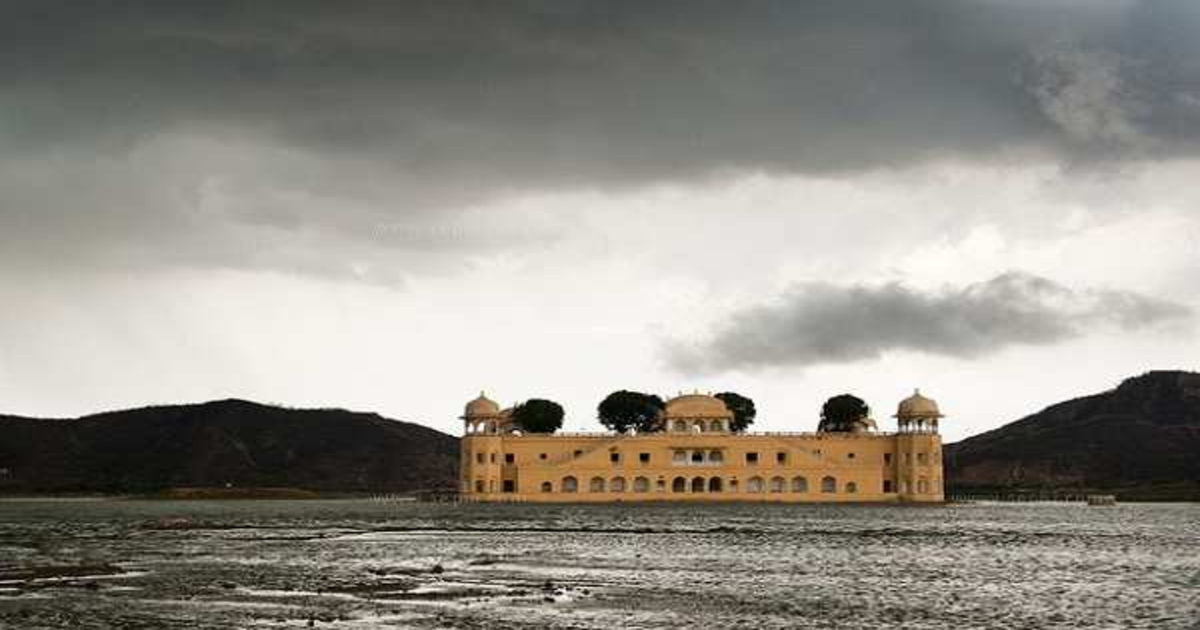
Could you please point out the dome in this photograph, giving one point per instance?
(482, 406)
(918, 406)
(696, 406)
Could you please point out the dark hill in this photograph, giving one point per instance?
(1139, 441)
(223, 442)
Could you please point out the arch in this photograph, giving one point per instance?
(851, 487)
(547, 486)
(570, 484)
(679, 484)
(617, 484)
(714, 484)
(641, 484)
(716, 456)
(681, 426)
(754, 484)
(778, 484)
(698, 484)
(799, 484)
(596, 484)
(716, 426)
(828, 484)
(698, 457)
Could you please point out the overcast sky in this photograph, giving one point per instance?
(391, 206)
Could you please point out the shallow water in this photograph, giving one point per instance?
(359, 564)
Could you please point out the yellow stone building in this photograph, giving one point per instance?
(698, 458)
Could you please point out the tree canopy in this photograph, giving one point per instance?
(623, 410)
(538, 415)
(841, 413)
(742, 408)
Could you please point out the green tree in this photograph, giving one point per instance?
(841, 413)
(624, 410)
(538, 415)
(742, 408)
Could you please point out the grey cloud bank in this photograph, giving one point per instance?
(817, 324)
(156, 133)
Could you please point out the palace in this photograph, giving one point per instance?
(698, 458)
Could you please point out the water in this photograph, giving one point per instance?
(357, 564)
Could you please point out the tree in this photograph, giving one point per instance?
(841, 413)
(624, 410)
(742, 408)
(538, 415)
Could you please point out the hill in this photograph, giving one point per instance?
(1139, 441)
(222, 443)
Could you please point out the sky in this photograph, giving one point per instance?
(392, 206)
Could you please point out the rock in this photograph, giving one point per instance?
(228, 585)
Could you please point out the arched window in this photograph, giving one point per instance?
(698, 484)
(547, 487)
(851, 487)
(596, 484)
(660, 486)
(799, 484)
(697, 457)
(778, 484)
(754, 484)
(570, 484)
(617, 484)
(714, 484)
(681, 426)
(716, 457)
(641, 484)
(828, 485)
(679, 484)
(680, 456)
(715, 426)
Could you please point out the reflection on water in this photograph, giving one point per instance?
(357, 564)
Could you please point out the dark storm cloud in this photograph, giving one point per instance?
(336, 118)
(823, 323)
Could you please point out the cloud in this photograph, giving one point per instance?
(815, 324)
(316, 123)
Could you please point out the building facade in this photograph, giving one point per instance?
(696, 457)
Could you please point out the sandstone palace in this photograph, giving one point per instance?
(697, 457)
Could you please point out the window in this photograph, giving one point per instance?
(679, 484)
(679, 457)
(849, 455)
(851, 487)
(828, 485)
(478, 458)
(510, 458)
(922, 458)
(698, 484)
(816, 452)
(641, 484)
(614, 458)
(492, 457)
(547, 487)
(799, 484)
(716, 457)
(478, 485)
(570, 484)
(714, 484)
(777, 484)
(733, 485)
(697, 457)
(680, 426)
(751, 458)
(617, 484)
(754, 484)
(887, 485)
(644, 458)
(597, 484)
(510, 485)
(716, 426)
(660, 486)
(577, 453)
(922, 486)
(781, 457)
(905, 487)
(541, 456)
(887, 458)
(908, 458)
